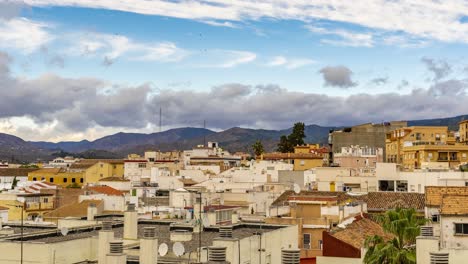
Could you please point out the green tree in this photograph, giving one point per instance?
(297, 135)
(404, 224)
(287, 143)
(284, 146)
(258, 148)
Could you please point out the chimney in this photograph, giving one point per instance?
(225, 231)
(290, 256)
(106, 235)
(216, 254)
(116, 255)
(149, 246)
(92, 212)
(130, 223)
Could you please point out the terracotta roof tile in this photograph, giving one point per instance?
(15, 171)
(434, 194)
(4, 208)
(341, 197)
(454, 205)
(106, 190)
(114, 179)
(73, 210)
(383, 201)
(356, 233)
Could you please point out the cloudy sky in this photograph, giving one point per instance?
(82, 69)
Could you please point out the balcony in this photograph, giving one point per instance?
(37, 206)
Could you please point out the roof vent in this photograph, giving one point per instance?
(106, 225)
(225, 231)
(216, 254)
(131, 207)
(427, 231)
(290, 256)
(439, 258)
(116, 247)
(149, 232)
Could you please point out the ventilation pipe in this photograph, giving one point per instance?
(130, 223)
(92, 212)
(116, 255)
(225, 231)
(427, 231)
(149, 246)
(439, 258)
(216, 254)
(106, 235)
(290, 256)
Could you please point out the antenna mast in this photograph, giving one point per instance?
(160, 119)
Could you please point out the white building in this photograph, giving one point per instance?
(9, 175)
(64, 162)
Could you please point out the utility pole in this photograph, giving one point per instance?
(204, 137)
(160, 119)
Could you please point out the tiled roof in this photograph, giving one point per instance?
(2, 208)
(115, 179)
(383, 201)
(341, 197)
(73, 210)
(284, 156)
(454, 205)
(48, 170)
(106, 190)
(356, 233)
(434, 194)
(188, 182)
(16, 171)
(86, 163)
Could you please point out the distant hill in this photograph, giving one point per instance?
(121, 144)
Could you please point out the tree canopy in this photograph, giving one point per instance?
(258, 148)
(404, 224)
(287, 143)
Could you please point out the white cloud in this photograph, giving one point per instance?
(345, 38)
(219, 58)
(289, 63)
(220, 24)
(440, 20)
(112, 47)
(23, 34)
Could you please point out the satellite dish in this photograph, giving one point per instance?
(163, 248)
(64, 231)
(178, 249)
(297, 188)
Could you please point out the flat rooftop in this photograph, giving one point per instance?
(163, 231)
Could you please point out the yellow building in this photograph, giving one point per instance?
(99, 169)
(463, 131)
(415, 156)
(31, 205)
(397, 139)
(58, 176)
(82, 172)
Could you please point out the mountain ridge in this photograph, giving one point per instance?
(121, 144)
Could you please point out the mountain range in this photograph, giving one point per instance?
(15, 149)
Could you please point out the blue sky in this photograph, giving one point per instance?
(166, 50)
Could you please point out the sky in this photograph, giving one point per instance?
(82, 69)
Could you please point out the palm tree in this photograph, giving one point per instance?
(404, 225)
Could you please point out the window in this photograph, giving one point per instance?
(101, 175)
(461, 229)
(302, 162)
(306, 241)
(34, 179)
(115, 166)
(65, 179)
(81, 180)
(151, 159)
(435, 218)
(320, 244)
(73, 180)
(102, 165)
(51, 180)
(141, 165)
(46, 200)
